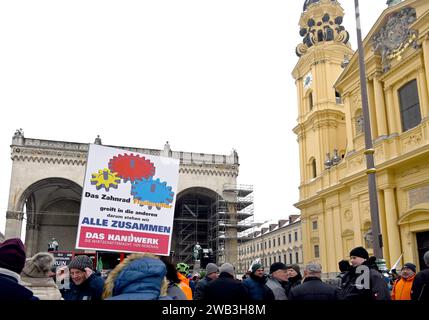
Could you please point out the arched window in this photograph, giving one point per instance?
(313, 168)
(338, 98)
(409, 105)
(310, 101)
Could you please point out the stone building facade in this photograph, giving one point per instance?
(271, 242)
(46, 187)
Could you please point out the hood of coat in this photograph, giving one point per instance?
(137, 274)
(38, 282)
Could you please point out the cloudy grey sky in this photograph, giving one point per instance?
(208, 76)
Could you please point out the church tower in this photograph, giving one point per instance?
(321, 118)
(321, 129)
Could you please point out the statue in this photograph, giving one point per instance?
(19, 132)
(53, 245)
(197, 251)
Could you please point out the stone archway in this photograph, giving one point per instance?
(51, 209)
(193, 222)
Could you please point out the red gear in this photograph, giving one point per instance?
(132, 167)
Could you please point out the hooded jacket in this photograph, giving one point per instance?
(351, 288)
(138, 277)
(35, 277)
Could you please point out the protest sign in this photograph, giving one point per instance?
(127, 202)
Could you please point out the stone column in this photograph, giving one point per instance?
(336, 222)
(383, 226)
(356, 222)
(392, 112)
(322, 243)
(425, 46)
(307, 244)
(394, 239)
(380, 108)
(423, 94)
(330, 243)
(13, 224)
(371, 107)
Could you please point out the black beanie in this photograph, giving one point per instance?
(410, 266)
(360, 252)
(344, 265)
(277, 266)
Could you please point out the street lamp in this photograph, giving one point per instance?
(369, 152)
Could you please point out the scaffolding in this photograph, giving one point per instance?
(191, 224)
(231, 215)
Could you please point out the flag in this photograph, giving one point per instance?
(397, 263)
(257, 260)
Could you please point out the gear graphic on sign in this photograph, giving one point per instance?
(152, 191)
(105, 179)
(132, 167)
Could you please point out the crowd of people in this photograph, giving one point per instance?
(149, 277)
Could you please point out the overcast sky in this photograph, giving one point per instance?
(207, 76)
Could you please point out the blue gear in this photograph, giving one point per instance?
(152, 190)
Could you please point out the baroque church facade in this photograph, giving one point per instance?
(334, 199)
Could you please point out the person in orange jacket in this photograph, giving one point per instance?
(402, 287)
(182, 270)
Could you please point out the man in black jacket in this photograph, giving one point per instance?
(420, 288)
(211, 274)
(363, 281)
(312, 287)
(226, 288)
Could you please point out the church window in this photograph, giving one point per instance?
(313, 168)
(410, 105)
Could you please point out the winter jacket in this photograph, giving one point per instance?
(420, 288)
(257, 289)
(184, 285)
(90, 289)
(402, 288)
(138, 278)
(43, 288)
(175, 292)
(226, 289)
(277, 288)
(201, 288)
(292, 283)
(313, 288)
(351, 288)
(10, 289)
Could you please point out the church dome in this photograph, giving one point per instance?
(307, 3)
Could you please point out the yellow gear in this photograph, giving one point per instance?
(105, 179)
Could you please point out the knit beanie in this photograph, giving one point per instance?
(277, 266)
(39, 265)
(294, 267)
(360, 252)
(12, 255)
(256, 266)
(81, 262)
(410, 266)
(228, 268)
(211, 268)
